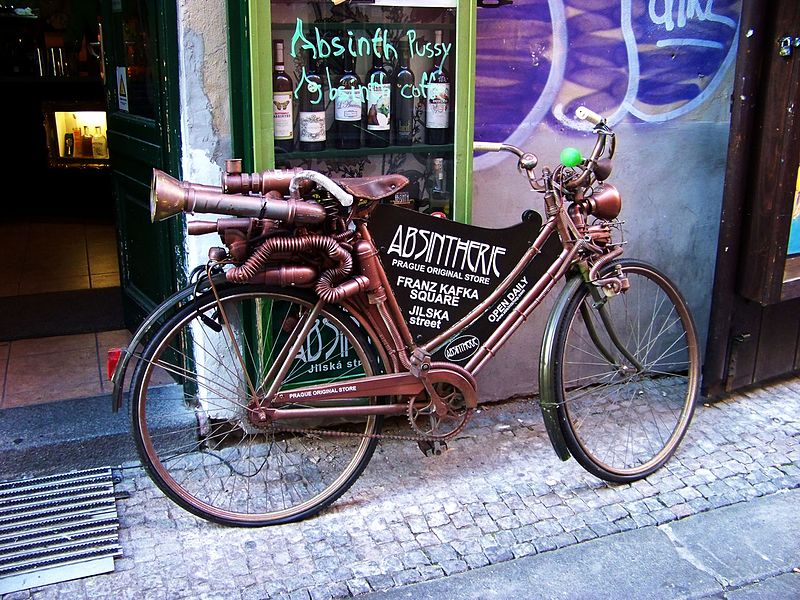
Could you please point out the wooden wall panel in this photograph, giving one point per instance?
(773, 182)
(752, 335)
(777, 344)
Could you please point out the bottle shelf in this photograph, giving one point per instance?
(381, 3)
(365, 25)
(78, 162)
(366, 151)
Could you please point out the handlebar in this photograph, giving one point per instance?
(528, 160)
(493, 147)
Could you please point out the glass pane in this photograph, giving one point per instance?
(792, 267)
(135, 50)
(365, 90)
(76, 137)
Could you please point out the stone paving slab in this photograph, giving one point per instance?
(782, 586)
(637, 564)
(88, 435)
(499, 493)
(747, 550)
(743, 542)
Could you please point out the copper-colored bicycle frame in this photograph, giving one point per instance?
(378, 312)
(369, 296)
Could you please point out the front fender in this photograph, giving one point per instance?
(547, 368)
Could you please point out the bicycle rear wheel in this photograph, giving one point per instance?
(627, 374)
(194, 436)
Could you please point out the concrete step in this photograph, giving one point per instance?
(62, 436)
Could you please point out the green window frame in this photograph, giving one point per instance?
(250, 65)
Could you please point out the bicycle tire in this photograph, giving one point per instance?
(194, 437)
(623, 421)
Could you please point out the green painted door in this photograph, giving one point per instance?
(140, 45)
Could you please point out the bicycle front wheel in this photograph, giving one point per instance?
(627, 374)
(190, 398)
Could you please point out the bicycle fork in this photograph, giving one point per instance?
(600, 303)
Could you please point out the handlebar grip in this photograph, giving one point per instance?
(584, 114)
(487, 146)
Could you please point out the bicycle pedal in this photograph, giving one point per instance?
(432, 448)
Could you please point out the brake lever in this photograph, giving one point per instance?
(534, 183)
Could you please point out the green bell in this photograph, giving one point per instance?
(571, 157)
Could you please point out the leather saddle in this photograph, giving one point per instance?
(372, 188)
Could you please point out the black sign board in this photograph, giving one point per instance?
(440, 270)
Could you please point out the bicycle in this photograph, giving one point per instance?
(301, 334)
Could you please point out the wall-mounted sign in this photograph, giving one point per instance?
(440, 270)
(794, 228)
(122, 88)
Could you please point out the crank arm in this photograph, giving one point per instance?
(438, 403)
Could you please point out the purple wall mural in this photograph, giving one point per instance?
(631, 60)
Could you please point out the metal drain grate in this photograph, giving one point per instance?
(57, 528)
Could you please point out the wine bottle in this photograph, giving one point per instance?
(348, 106)
(311, 118)
(77, 148)
(379, 102)
(403, 100)
(437, 107)
(440, 194)
(282, 105)
(86, 142)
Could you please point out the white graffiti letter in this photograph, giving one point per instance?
(665, 18)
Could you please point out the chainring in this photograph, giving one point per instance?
(428, 422)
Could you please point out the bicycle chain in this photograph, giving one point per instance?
(378, 436)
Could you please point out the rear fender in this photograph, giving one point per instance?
(149, 326)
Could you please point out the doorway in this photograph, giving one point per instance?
(754, 333)
(73, 283)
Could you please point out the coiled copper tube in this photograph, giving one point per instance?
(325, 287)
(285, 276)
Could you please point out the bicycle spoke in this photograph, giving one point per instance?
(201, 447)
(625, 421)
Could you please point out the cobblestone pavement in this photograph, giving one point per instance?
(498, 493)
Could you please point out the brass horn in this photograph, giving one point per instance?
(606, 202)
(169, 196)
